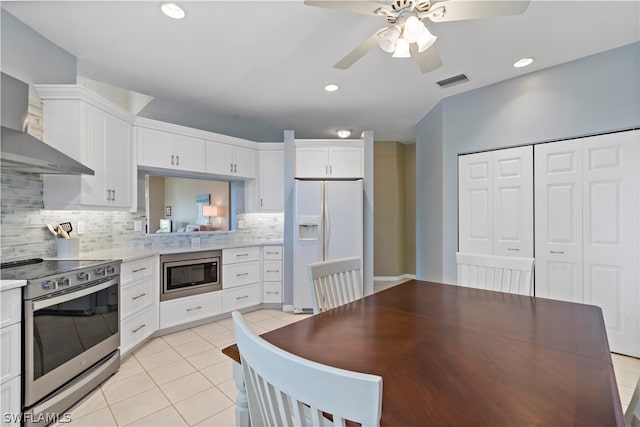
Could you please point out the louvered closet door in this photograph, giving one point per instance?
(610, 212)
(474, 203)
(513, 202)
(558, 220)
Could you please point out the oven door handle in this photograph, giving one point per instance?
(71, 295)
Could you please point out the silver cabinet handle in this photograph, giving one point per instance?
(172, 156)
(242, 255)
(326, 170)
(273, 271)
(272, 293)
(556, 252)
(272, 253)
(194, 308)
(513, 249)
(261, 203)
(242, 274)
(230, 167)
(177, 160)
(114, 195)
(139, 296)
(139, 327)
(108, 194)
(243, 297)
(235, 167)
(330, 170)
(139, 269)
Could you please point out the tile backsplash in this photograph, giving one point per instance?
(24, 232)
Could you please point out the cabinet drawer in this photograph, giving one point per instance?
(136, 296)
(236, 298)
(272, 292)
(11, 304)
(272, 252)
(10, 350)
(10, 393)
(272, 271)
(231, 256)
(136, 270)
(188, 309)
(138, 327)
(240, 274)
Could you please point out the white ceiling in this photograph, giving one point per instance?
(254, 69)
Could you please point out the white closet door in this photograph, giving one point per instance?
(513, 202)
(610, 212)
(558, 220)
(475, 227)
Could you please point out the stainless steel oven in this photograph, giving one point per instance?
(71, 334)
(190, 274)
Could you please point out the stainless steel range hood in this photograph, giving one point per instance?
(20, 151)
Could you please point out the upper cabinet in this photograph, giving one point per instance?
(166, 150)
(336, 159)
(228, 159)
(95, 132)
(271, 180)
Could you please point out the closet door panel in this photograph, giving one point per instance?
(513, 202)
(558, 220)
(475, 203)
(611, 235)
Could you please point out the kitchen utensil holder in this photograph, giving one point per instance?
(68, 248)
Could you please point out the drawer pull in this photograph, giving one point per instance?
(273, 271)
(513, 249)
(139, 327)
(272, 253)
(556, 252)
(272, 293)
(137, 270)
(242, 274)
(243, 297)
(242, 255)
(139, 296)
(194, 308)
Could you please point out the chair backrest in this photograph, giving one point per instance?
(335, 282)
(496, 273)
(632, 414)
(286, 390)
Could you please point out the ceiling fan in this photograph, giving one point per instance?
(406, 34)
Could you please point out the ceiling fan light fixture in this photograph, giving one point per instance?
(172, 10)
(413, 29)
(402, 49)
(426, 40)
(523, 62)
(344, 133)
(389, 39)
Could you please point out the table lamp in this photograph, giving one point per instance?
(210, 211)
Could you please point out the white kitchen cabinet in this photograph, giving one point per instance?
(587, 229)
(97, 133)
(167, 150)
(240, 278)
(329, 159)
(139, 301)
(272, 274)
(188, 309)
(271, 181)
(10, 355)
(495, 201)
(10, 394)
(240, 297)
(228, 159)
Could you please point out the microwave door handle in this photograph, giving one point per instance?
(48, 302)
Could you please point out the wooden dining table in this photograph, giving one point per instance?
(456, 356)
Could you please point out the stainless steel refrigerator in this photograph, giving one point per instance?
(328, 225)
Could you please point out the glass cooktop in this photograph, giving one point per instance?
(37, 268)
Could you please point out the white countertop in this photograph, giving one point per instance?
(5, 285)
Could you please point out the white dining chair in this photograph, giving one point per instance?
(496, 273)
(632, 414)
(334, 282)
(287, 390)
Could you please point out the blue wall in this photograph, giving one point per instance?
(595, 94)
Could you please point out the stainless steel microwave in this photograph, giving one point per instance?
(191, 273)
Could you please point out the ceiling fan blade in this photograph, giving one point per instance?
(428, 60)
(358, 52)
(364, 7)
(457, 10)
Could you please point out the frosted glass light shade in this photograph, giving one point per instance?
(402, 49)
(426, 40)
(389, 39)
(413, 29)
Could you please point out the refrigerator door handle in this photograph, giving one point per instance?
(322, 218)
(327, 221)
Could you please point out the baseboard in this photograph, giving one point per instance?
(394, 278)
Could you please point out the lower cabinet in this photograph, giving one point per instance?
(10, 356)
(240, 297)
(139, 295)
(10, 393)
(188, 309)
(137, 328)
(272, 274)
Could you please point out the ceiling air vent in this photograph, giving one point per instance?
(460, 78)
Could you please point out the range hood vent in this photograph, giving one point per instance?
(22, 152)
(452, 81)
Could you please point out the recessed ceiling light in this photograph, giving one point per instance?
(344, 133)
(331, 87)
(172, 10)
(523, 62)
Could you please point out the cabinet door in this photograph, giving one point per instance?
(219, 158)
(93, 187)
(119, 162)
(10, 393)
(558, 220)
(475, 203)
(513, 202)
(155, 148)
(271, 181)
(345, 162)
(189, 152)
(312, 162)
(244, 162)
(610, 215)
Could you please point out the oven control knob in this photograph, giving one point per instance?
(100, 271)
(50, 284)
(63, 281)
(83, 276)
(111, 269)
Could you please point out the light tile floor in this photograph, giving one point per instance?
(183, 379)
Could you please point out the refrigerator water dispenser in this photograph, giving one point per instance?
(309, 227)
